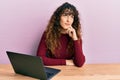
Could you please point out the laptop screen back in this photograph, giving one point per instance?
(27, 65)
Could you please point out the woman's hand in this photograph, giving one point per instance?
(72, 33)
(69, 62)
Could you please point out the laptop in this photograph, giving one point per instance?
(31, 66)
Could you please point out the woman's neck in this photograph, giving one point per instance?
(63, 31)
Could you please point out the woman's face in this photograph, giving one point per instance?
(66, 20)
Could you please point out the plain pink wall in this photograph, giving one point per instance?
(22, 23)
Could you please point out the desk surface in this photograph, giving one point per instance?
(87, 72)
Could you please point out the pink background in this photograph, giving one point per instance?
(23, 21)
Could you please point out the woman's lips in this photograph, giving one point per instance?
(67, 24)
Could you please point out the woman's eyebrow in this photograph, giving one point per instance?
(68, 12)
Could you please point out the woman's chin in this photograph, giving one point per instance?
(65, 28)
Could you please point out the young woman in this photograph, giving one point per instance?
(61, 43)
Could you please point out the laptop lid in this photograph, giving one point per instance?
(29, 65)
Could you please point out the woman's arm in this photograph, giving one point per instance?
(79, 58)
(42, 50)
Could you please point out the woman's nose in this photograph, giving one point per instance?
(68, 18)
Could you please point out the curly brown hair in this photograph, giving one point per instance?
(53, 28)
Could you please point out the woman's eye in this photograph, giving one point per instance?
(72, 16)
(65, 14)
